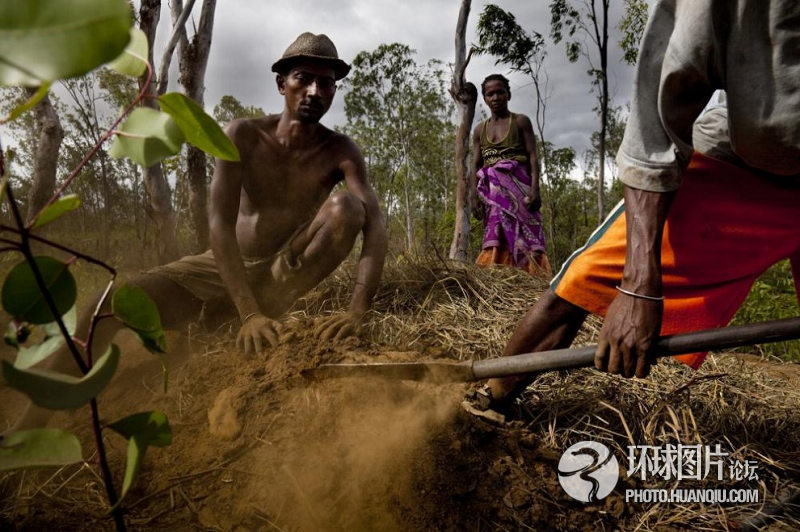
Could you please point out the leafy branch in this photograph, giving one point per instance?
(40, 290)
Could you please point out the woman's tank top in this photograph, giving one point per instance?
(510, 147)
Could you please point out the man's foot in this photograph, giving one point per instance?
(479, 403)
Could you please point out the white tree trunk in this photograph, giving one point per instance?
(194, 59)
(160, 208)
(465, 95)
(50, 135)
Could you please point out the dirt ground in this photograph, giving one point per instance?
(256, 446)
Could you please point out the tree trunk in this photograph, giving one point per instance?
(538, 70)
(50, 134)
(465, 95)
(602, 43)
(407, 198)
(194, 59)
(155, 183)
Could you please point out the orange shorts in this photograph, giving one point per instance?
(725, 227)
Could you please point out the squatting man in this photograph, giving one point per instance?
(276, 230)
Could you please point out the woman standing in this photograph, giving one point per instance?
(507, 185)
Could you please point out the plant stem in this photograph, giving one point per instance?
(111, 130)
(116, 511)
(98, 433)
(96, 317)
(25, 248)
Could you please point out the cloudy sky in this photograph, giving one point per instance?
(249, 35)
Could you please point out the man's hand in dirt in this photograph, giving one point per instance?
(630, 328)
(338, 326)
(256, 333)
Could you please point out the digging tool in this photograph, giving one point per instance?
(475, 370)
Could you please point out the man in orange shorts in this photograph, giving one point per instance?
(698, 223)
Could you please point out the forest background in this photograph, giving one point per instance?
(396, 104)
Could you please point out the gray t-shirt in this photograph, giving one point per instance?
(693, 47)
(710, 136)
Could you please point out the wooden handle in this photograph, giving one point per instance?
(677, 344)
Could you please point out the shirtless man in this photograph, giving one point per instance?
(276, 230)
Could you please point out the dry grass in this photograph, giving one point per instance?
(469, 312)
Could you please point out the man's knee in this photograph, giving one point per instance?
(344, 209)
(176, 305)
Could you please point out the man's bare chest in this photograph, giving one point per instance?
(290, 182)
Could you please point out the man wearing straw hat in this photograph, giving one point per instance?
(699, 223)
(276, 230)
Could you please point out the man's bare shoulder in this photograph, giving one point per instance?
(343, 145)
(243, 131)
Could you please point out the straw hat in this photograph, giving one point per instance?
(310, 46)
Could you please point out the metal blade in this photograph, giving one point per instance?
(468, 370)
(435, 371)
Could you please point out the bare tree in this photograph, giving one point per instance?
(160, 208)
(465, 95)
(590, 19)
(193, 62)
(50, 135)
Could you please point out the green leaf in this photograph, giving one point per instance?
(39, 448)
(45, 40)
(133, 61)
(30, 356)
(141, 430)
(134, 308)
(133, 463)
(70, 319)
(200, 129)
(22, 298)
(66, 203)
(164, 372)
(63, 392)
(147, 137)
(27, 104)
(152, 428)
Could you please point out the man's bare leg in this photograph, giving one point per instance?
(552, 323)
(176, 305)
(316, 252)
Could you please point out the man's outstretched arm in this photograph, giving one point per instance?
(634, 321)
(375, 244)
(373, 249)
(226, 187)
